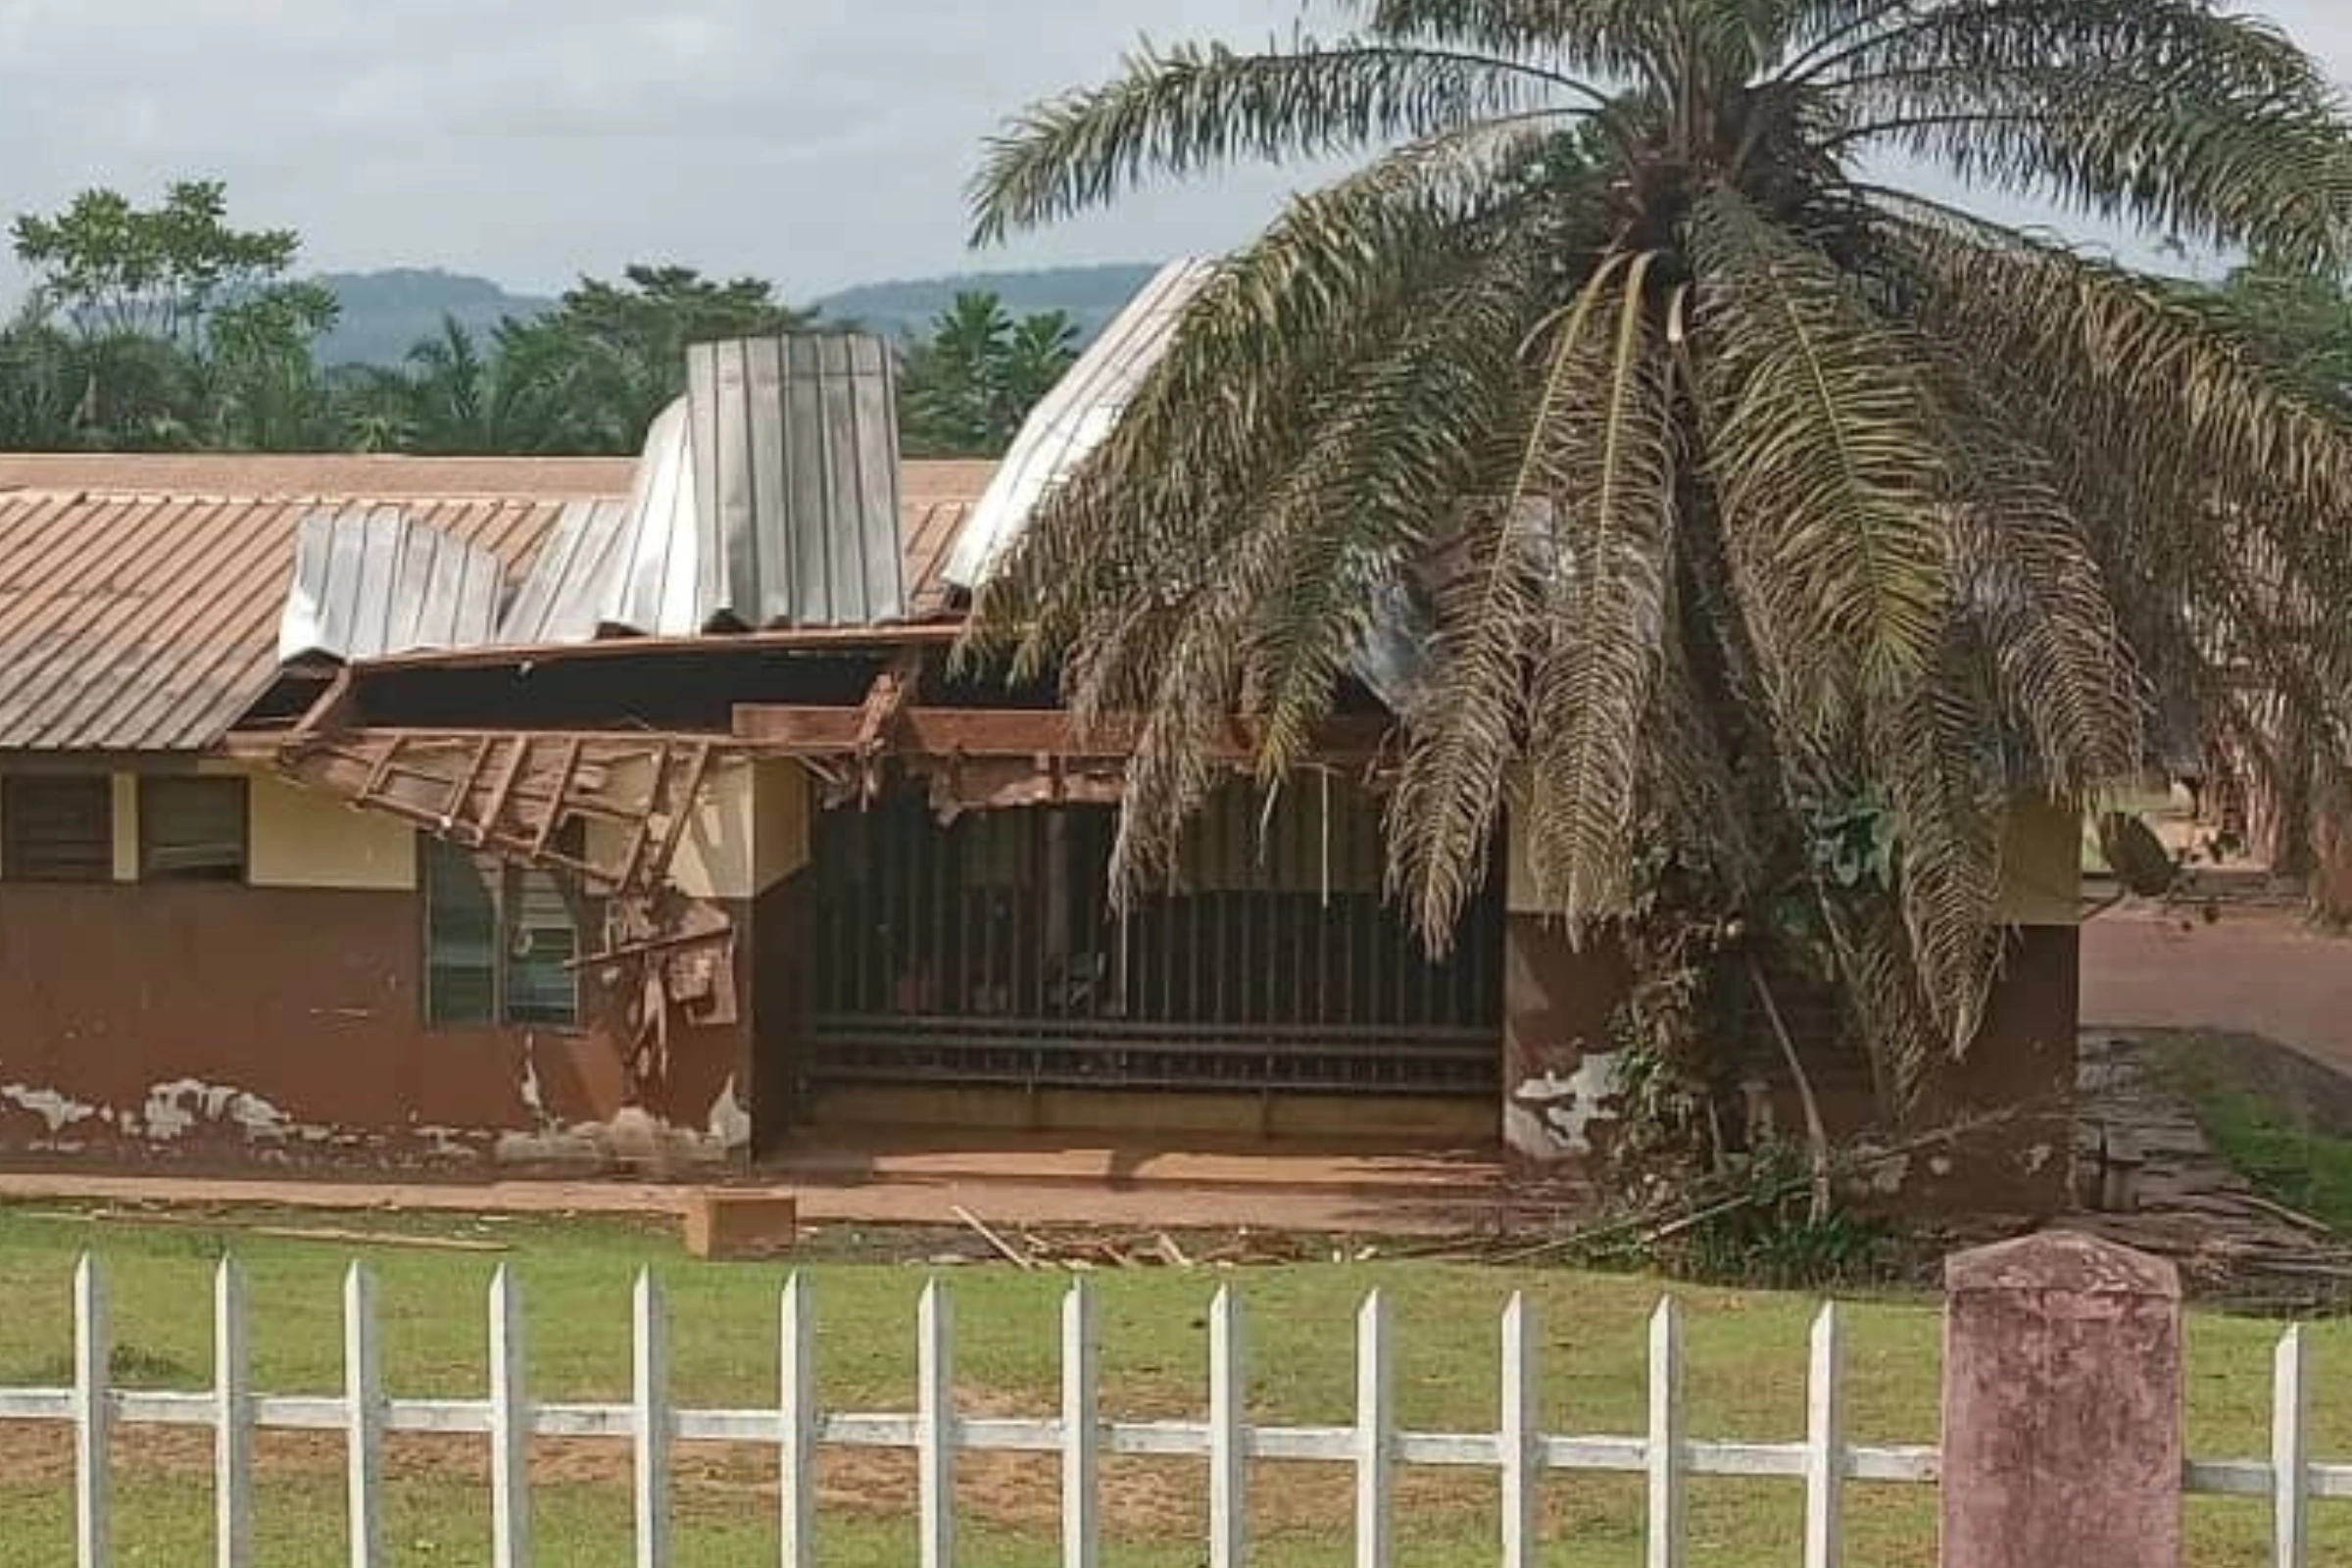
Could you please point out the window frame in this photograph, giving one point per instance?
(12, 815)
(502, 881)
(150, 785)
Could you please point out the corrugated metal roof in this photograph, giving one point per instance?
(138, 615)
(139, 621)
(372, 580)
(340, 475)
(1072, 419)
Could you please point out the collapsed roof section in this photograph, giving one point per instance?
(766, 498)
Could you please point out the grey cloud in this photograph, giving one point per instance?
(816, 141)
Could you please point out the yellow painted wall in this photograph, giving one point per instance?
(2042, 864)
(308, 838)
(748, 831)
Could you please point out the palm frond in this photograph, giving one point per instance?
(2031, 579)
(1471, 724)
(1821, 445)
(1936, 748)
(2220, 129)
(1618, 38)
(1611, 474)
(1188, 109)
(1271, 337)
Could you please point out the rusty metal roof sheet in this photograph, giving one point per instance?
(141, 621)
(371, 580)
(140, 597)
(1071, 420)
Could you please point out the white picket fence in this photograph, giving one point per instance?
(1518, 1451)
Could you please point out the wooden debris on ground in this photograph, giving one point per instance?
(1081, 1250)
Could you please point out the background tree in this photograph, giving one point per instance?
(966, 388)
(611, 356)
(1770, 528)
(182, 329)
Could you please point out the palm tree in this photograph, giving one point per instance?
(1771, 527)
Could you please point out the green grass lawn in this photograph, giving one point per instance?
(1745, 1381)
(2272, 1142)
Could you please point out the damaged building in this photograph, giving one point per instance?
(549, 813)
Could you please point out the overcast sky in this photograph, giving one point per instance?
(820, 142)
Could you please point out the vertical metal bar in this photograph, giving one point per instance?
(232, 1420)
(935, 1427)
(1664, 1451)
(364, 1400)
(2290, 1453)
(1081, 1430)
(1228, 1433)
(93, 1417)
(797, 1434)
(952, 989)
(1825, 1444)
(1522, 1441)
(1375, 1435)
(510, 1428)
(650, 1396)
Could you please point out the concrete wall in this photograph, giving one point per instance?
(282, 1021)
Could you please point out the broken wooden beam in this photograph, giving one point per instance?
(983, 732)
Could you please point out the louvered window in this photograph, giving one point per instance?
(192, 830)
(57, 829)
(499, 942)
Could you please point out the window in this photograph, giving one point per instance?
(58, 829)
(192, 829)
(499, 941)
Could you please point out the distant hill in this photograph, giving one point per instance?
(1092, 295)
(386, 313)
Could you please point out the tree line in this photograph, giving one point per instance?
(166, 327)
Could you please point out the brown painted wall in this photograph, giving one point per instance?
(1557, 1104)
(291, 1020)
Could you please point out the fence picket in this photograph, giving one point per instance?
(1081, 1429)
(510, 1428)
(232, 1419)
(93, 1417)
(652, 1425)
(796, 1431)
(935, 1426)
(363, 1418)
(1663, 1455)
(2290, 1453)
(1228, 1433)
(1375, 1434)
(1825, 1443)
(1522, 1441)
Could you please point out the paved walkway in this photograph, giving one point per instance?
(1304, 1193)
(2255, 972)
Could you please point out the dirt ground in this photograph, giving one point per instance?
(2253, 971)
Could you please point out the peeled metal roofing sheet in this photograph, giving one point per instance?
(1073, 419)
(372, 580)
(769, 495)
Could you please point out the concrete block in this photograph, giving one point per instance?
(726, 1223)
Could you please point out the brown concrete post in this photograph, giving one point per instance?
(2062, 1406)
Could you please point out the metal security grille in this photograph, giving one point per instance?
(985, 950)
